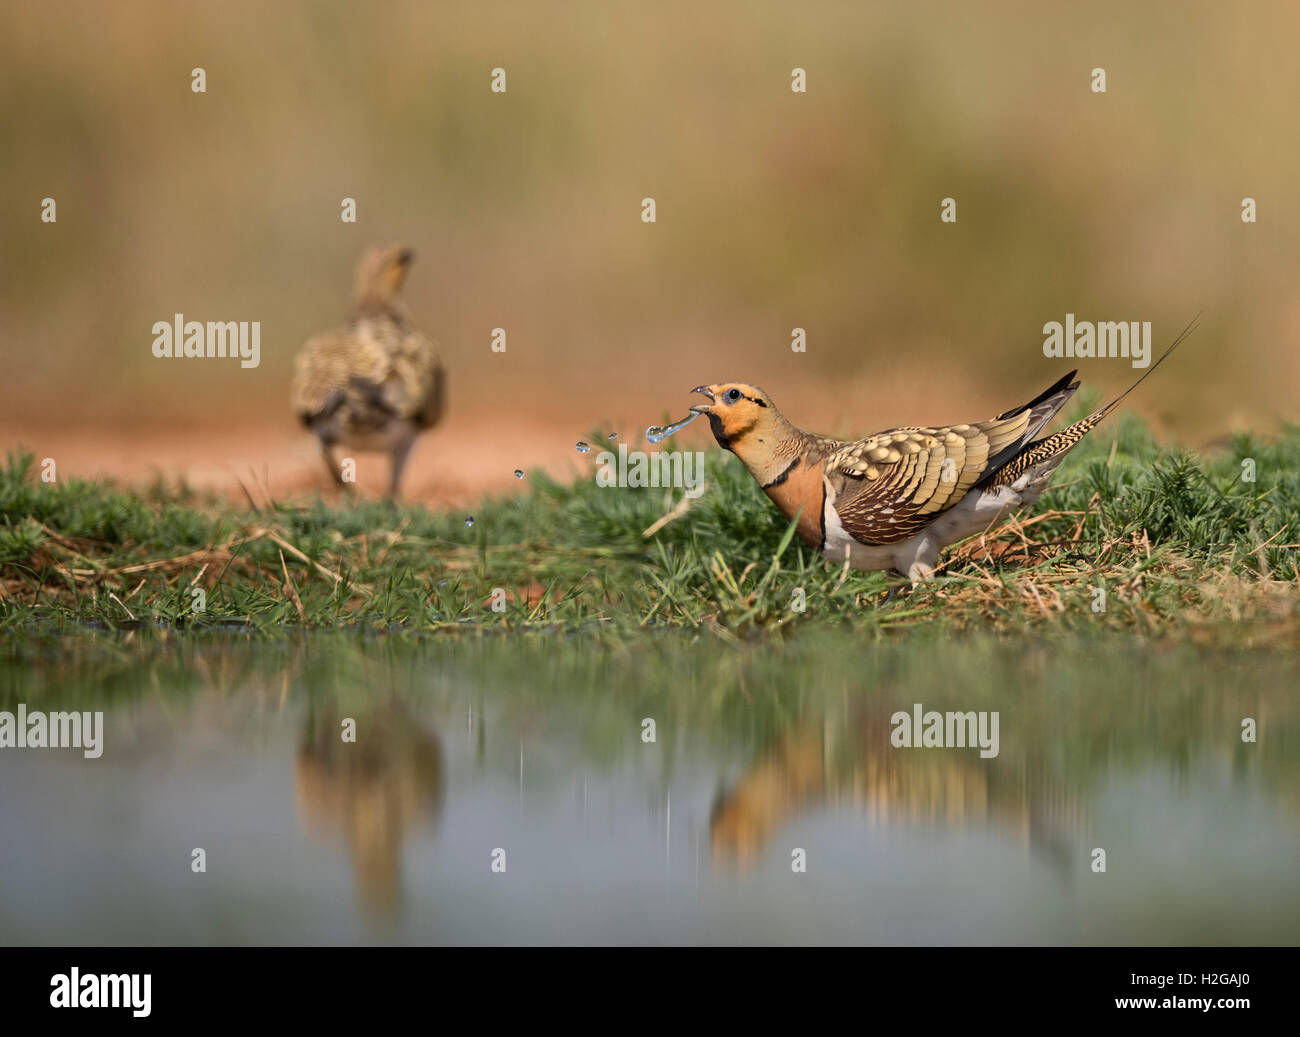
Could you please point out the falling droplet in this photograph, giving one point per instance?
(519, 473)
(469, 520)
(658, 433)
(582, 447)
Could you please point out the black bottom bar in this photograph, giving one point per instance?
(613, 987)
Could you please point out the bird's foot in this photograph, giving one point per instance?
(897, 591)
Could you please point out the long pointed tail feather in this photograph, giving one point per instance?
(1054, 447)
(1182, 335)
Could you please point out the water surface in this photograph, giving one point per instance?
(534, 746)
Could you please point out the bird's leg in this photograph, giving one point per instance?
(331, 465)
(915, 577)
(895, 591)
(918, 572)
(347, 489)
(924, 556)
(401, 451)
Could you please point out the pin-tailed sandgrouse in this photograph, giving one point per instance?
(896, 499)
(376, 384)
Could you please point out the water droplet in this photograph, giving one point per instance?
(658, 433)
(582, 447)
(519, 473)
(469, 520)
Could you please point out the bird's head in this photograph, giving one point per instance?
(740, 415)
(382, 272)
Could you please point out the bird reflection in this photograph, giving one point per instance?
(375, 791)
(852, 764)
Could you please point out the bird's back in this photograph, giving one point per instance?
(376, 371)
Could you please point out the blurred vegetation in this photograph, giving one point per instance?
(756, 693)
(775, 210)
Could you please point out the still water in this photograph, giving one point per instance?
(532, 752)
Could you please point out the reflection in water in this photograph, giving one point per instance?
(376, 790)
(853, 764)
(1143, 756)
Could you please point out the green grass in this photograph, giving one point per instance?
(1180, 543)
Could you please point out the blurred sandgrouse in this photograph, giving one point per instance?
(896, 499)
(377, 383)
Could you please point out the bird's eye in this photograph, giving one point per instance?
(733, 395)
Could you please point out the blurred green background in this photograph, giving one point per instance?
(775, 209)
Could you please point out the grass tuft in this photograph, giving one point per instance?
(1177, 543)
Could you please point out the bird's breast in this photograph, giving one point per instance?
(801, 487)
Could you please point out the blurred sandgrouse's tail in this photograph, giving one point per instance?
(1043, 455)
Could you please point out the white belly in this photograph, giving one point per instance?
(916, 557)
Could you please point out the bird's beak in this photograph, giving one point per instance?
(703, 408)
